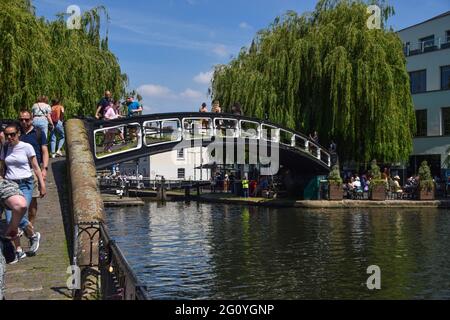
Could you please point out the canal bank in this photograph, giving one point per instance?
(224, 198)
(320, 204)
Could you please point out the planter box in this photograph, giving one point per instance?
(378, 193)
(336, 192)
(426, 195)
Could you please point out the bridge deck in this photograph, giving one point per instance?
(43, 277)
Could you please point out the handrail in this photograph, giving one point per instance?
(118, 280)
(213, 127)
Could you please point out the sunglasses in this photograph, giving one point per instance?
(12, 134)
(25, 119)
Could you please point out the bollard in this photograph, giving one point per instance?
(187, 192)
(162, 190)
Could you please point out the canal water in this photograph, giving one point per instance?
(216, 251)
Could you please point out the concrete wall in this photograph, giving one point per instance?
(433, 102)
(432, 62)
(86, 202)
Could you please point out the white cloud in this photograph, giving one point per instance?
(204, 77)
(220, 50)
(157, 97)
(154, 90)
(244, 25)
(191, 94)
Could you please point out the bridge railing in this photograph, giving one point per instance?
(118, 280)
(169, 129)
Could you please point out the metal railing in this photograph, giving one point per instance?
(117, 279)
(151, 135)
(426, 46)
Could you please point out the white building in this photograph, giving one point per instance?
(173, 165)
(427, 50)
(180, 165)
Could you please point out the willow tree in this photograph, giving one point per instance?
(38, 57)
(327, 71)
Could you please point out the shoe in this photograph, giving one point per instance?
(59, 153)
(20, 255)
(34, 242)
(53, 156)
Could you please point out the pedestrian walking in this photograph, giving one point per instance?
(40, 112)
(12, 198)
(57, 116)
(36, 139)
(16, 157)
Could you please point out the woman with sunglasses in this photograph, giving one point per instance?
(16, 158)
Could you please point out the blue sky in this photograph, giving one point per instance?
(169, 47)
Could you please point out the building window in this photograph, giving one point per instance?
(446, 121)
(447, 33)
(418, 81)
(181, 173)
(445, 78)
(421, 120)
(180, 154)
(427, 42)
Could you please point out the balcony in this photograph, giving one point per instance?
(426, 46)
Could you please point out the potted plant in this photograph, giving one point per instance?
(336, 192)
(377, 186)
(426, 183)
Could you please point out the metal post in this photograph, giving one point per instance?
(201, 163)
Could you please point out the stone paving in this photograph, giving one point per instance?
(43, 277)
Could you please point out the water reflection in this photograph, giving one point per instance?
(203, 251)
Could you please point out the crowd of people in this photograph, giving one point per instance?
(24, 160)
(355, 186)
(110, 109)
(236, 108)
(229, 183)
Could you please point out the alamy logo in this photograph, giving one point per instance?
(374, 281)
(74, 21)
(74, 280)
(374, 21)
(230, 150)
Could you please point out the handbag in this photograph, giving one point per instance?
(8, 249)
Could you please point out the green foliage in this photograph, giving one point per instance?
(425, 172)
(425, 179)
(327, 71)
(335, 176)
(375, 170)
(38, 57)
(376, 176)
